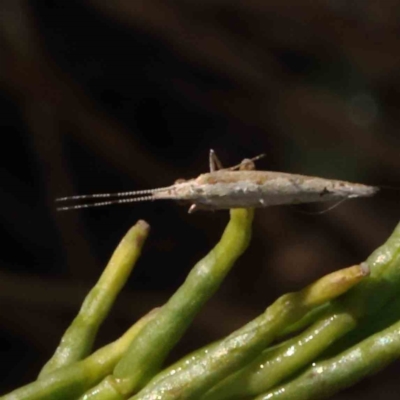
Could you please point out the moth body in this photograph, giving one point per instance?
(234, 189)
(240, 186)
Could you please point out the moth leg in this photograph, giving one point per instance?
(215, 163)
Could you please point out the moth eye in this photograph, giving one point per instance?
(180, 180)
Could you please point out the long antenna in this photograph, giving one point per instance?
(108, 195)
(104, 203)
(130, 197)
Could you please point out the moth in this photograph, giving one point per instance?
(240, 186)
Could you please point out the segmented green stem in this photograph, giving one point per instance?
(325, 378)
(192, 376)
(78, 339)
(148, 350)
(276, 364)
(71, 381)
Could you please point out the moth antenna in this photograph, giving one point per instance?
(106, 203)
(107, 195)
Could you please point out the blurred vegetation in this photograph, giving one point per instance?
(101, 96)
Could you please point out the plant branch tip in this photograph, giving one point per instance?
(142, 224)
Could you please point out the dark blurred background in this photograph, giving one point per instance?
(100, 96)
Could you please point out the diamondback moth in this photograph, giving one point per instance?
(241, 186)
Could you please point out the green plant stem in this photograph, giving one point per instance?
(78, 339)
(276, 364)
(148, 350)
(107, 389)
(71, 381)
(388, 315)
(314, 315)
(192, 376)
(341, 317)
(327, 377)
(383, 283)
